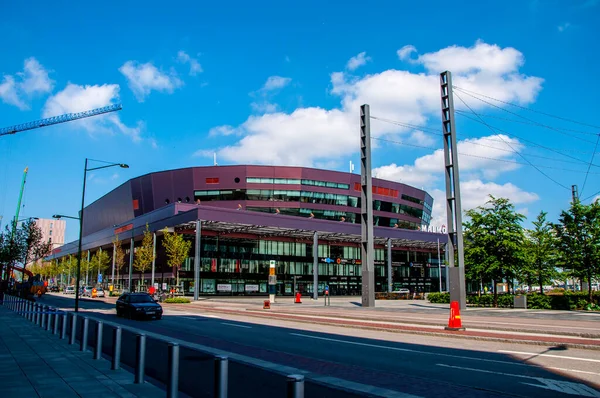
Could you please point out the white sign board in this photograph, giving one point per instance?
(156, 285)
(225, 287)
(434, 229)
(272, 264)
(251, 288)
(164, 286)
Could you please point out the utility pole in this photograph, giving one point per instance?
(453, 200)
(366, 209)
(574, 193)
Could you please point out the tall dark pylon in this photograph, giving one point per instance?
(453, 199)
(366, 210)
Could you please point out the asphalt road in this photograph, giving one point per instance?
(419, 369)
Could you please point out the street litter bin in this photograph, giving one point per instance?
(520, 301)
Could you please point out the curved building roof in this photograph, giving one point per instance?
(299, 191)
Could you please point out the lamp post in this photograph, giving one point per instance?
(85, 170)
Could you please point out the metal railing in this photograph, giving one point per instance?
(57, 322)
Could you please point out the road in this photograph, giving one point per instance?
(423, 366)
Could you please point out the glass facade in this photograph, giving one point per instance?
(291, 181)
(231, 266)
(275, 195)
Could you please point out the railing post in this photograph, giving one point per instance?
(29, 311)
(56, 318)
(73, 329)
(116, 351)
(98, 347)
(140, 358)
(221, 376)
(44, 316)
(63, 329)
(295, 386)
(84, 334)
(37, 314)
(173, 369)
(48, 318)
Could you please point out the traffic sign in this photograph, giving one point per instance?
(272, 263)
(99, 278)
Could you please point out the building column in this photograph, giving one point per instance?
(153, 257)
(389, 264)
(112, 274)
(131, 247)
(316, 266)
(197, 253)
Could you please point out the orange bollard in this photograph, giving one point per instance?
(298, 298)
(267, 305)
(454, 323)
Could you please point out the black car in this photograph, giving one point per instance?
(138, 305)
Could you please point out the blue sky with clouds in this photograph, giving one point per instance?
(274, 83)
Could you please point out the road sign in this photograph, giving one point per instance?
(99, 278)
(272, 263)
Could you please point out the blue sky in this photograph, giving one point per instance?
(271, 83)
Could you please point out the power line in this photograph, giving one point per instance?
(523, 117)
(591, 196)
(523, 157)
(496, 129)
(460, 112)
(484, 145)
(481, 157)
(590, 165)
(527, 109)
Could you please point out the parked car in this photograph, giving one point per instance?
(403, 291)
(69, 290)
(86, 291)
(54, 289)
(100, 292)
(138, 305)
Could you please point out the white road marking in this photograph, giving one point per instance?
(548, 355)
(410, 350)
(239, 326)
(565, 387)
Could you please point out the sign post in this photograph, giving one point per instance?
(272, 281)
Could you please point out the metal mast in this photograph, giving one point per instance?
(453, 204)
(366, 209)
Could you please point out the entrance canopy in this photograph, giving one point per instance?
(231, 223)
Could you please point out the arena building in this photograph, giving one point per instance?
(240, 218)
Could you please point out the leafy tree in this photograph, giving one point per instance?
(493, 242)
(540, 253)
(578, 235)
(101, 261)
(119, 254)
(84, 265)
(144, 254)
(177, 249)
(35, 247)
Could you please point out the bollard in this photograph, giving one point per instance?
(140, 358)
(98, 347)
(49, 319)
(221, 376)
(29, 311)
(173, 369)
(56, 318)
(84, 334)
(36, 314)
(295, 386)
(44, 316)
(116, 351)
(22, 307)
(73, 329)
(63, 329)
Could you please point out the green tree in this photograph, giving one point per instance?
(578, 236)
(540, 253)
(35, 247)
(177, 249)
(119, 255)
(84, 265)
(493, 242)
(100, 261)
(145, 253)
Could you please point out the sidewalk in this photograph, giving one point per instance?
(36, 363)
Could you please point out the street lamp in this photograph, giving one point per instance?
(85, 170)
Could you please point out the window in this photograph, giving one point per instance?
(50, 233)
(212, 180)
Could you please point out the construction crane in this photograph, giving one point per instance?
(68, 117)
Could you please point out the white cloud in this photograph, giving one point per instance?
(143, 78)
(34, 79)
(222, 130)
(420, 138)
(476, 193)
(195, 66)
(308, 136)
(563, 27)
(264, 107)
(357, 61)
(276, 83)
(405, 52)
(75, 98)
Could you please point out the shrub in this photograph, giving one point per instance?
(439, 298)
(177, 300)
